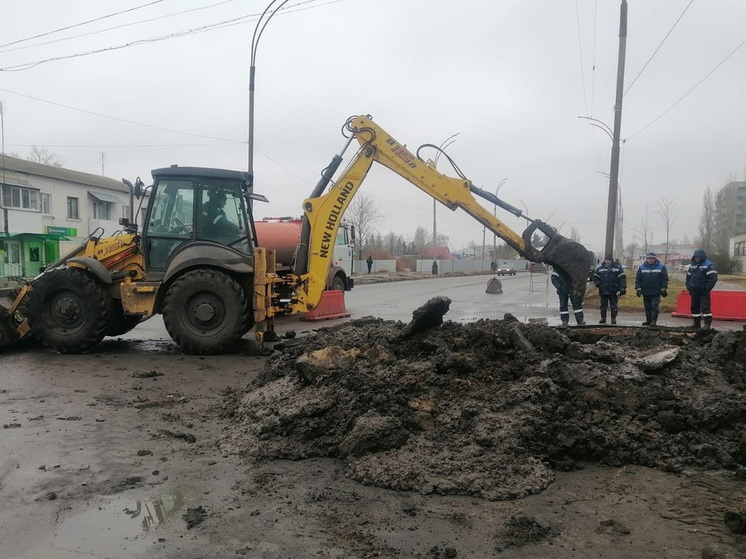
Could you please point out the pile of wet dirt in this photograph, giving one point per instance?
(493, 408)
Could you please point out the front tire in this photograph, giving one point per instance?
(338, 284)
(205, 311)
(69, 310)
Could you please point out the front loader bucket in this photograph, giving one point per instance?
(568, 256)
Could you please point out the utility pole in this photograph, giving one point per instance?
(102, 163)
(2, 186)
(614, 171)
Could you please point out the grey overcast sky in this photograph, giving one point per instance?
(510, 77)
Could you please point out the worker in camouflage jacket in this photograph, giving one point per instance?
(611, 282)
(651, 283)
(563, 285)
(701, 277)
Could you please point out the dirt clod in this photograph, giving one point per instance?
(194, 516)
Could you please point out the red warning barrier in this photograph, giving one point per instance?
(726, 305)
(332, 305)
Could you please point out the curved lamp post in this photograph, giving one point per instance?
(252, 71)
(494, 213)
(444, 144)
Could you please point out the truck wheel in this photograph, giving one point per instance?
(338, 284)
(205, 311)
(120, 323)
(68, 310)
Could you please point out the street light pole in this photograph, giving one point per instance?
(494, 213)
(614, 171)
(447, 142)
(252, 72)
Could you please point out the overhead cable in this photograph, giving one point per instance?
(210, 27)
(695, 86)
(80, 24)
(122, 119)
(113, 28)
(658, 48)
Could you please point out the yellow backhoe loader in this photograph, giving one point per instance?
(197, 262)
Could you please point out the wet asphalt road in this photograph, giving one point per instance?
(524, 296)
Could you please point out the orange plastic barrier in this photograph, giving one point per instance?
(726, 305)
(332, 305)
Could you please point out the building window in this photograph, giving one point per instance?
(125, 211)
(101, 210)
(46, 204)
(72, 208)
(19, 197)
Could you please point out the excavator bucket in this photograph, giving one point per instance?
(560, 252)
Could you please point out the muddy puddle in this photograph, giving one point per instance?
(494, 408)
(112, 527)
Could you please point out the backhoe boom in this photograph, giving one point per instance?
(323, 212)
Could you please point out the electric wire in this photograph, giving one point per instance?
(580, 51)
(593, 65)
(695, 86)
(80, 24)
(658, 47)
(101, 115)
(241, 20)
(115, 27)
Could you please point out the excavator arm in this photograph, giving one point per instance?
(323, 213)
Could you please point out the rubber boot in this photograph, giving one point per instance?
(707, 323)
(697, 322)
(647, 319)
(613, 316)
(603, 318)
(654, 318)
(564, 324)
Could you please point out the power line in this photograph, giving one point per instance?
(580, 51)
(210, 27)
(115, 27)
(695, 86)
(659, 46)
(593, 67)
(121, 119)
(80, 24)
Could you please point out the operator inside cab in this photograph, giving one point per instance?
(218, 224)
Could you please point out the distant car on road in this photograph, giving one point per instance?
(505, 270)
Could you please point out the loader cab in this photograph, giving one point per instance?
(198, 208)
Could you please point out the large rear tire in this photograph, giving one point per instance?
(8, 332)
(69, 310)
(205, 311)
(121, 323)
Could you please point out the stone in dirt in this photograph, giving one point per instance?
(493, 408)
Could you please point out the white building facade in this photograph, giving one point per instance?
(46, 210)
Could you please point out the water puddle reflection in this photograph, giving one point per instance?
(116, 527)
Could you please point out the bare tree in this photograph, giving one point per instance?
(574, 235)
(363, 213)
(725, 221)
(45, 157)
(644, 231)
(665, 211)
(707, 222)
(422, 238)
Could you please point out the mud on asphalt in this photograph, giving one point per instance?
(493, 409)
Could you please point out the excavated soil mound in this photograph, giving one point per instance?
(493, 408)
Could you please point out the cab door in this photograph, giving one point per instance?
(170, 221)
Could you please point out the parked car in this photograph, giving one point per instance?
(505, 270)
